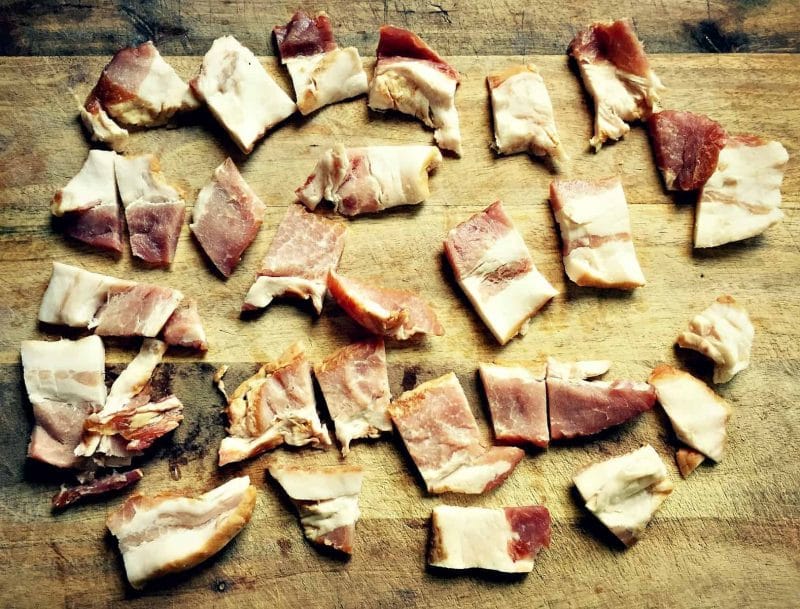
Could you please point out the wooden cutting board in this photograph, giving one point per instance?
(727, 537)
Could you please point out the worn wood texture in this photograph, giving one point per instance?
(726, 537)
(512, 27)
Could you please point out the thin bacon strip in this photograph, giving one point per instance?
(68, 496)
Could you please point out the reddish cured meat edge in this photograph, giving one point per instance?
(184, 328)
(100, 227)
(304, 36)
(532, 525)
(107, 484)
(114, 319)
(526, 402)
(613, 41)
(154, 230)
(398, 42)
(121, 77)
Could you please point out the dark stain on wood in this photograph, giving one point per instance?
(410, 378)
(712, 38)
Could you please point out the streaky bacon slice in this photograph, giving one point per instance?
(496, 539)
(274, 406)
(688, 460)
(321, 72)
(723, 333)
(116, 481)
(411, 78)
(596, 233)
(138, 310)
(184, 328)
(168, 533)
(517, 400)
(371, 179)
(441, 436)
(686, 147)
(355, 383)
(154, 210)
(493, 266)
(226, 217)
(305, 248)
(617, 74)
(385, 312)
(326, 499)
(742, 198)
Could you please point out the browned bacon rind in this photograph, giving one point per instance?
(304, 35)
(397, 42)
(113, 482)
(688, 460)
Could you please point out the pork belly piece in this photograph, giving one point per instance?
(441, 436)
(116, 481)
(326, 499)
(686, 147)
(355, 383)
(742, 198)
(138, 310)
(523, 113)
(411, 78)
(617, 74)
(624, 492)
(385, 312)
(498, 539)
(517, 400)
(369, 180)
(226, 217)
(596, 233)
(493, 266)
(154, 210)
(240, 93)
(724, 334)
(65, 383)
(688, 460)
(274, 406)
(89, 205)
(581, 408)
(305, 248)
(321, 72)
(168, 533)
(698, 415)
(184, 327)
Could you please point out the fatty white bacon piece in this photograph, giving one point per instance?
(493, 266)
(65, 384)
(166, 533)
(355, 383)
(742, 198)
(596, 233)
(517, 400)
(411, 78)
(369, 180)
(441, 436)
(321, 72)
(240, 93)
(326, 499)
(274, 406)
(184, 327)
(305, 248)
(723, 333)
(698, 415)
(617, 74)
(523, 113)
(226, 217)
(624, 492)
(499, 539)
(154, 210)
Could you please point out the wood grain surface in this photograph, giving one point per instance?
(727, 537)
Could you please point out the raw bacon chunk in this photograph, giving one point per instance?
(274, 406)
(686, 146)
(742, 198)
(101, 126)
(688, 460)
(355, 383)
(154, 210)
(369, 180)
(500, 539)
(89, 203)
(138, 310)
(518, 404)
(441, 435)
(386, 312)
(168, 533)
(138, 425)
(580, 408)
(411, 78)
(723, 333)
(624, 492)
(326, 499)
(493, 266)
(184, 327)
(523, 113)
(617, 74)
(321, 72)
(305, 248)
(226, 217)
(698, 415)
(596, 233)
(240, 93)
(100, 486)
